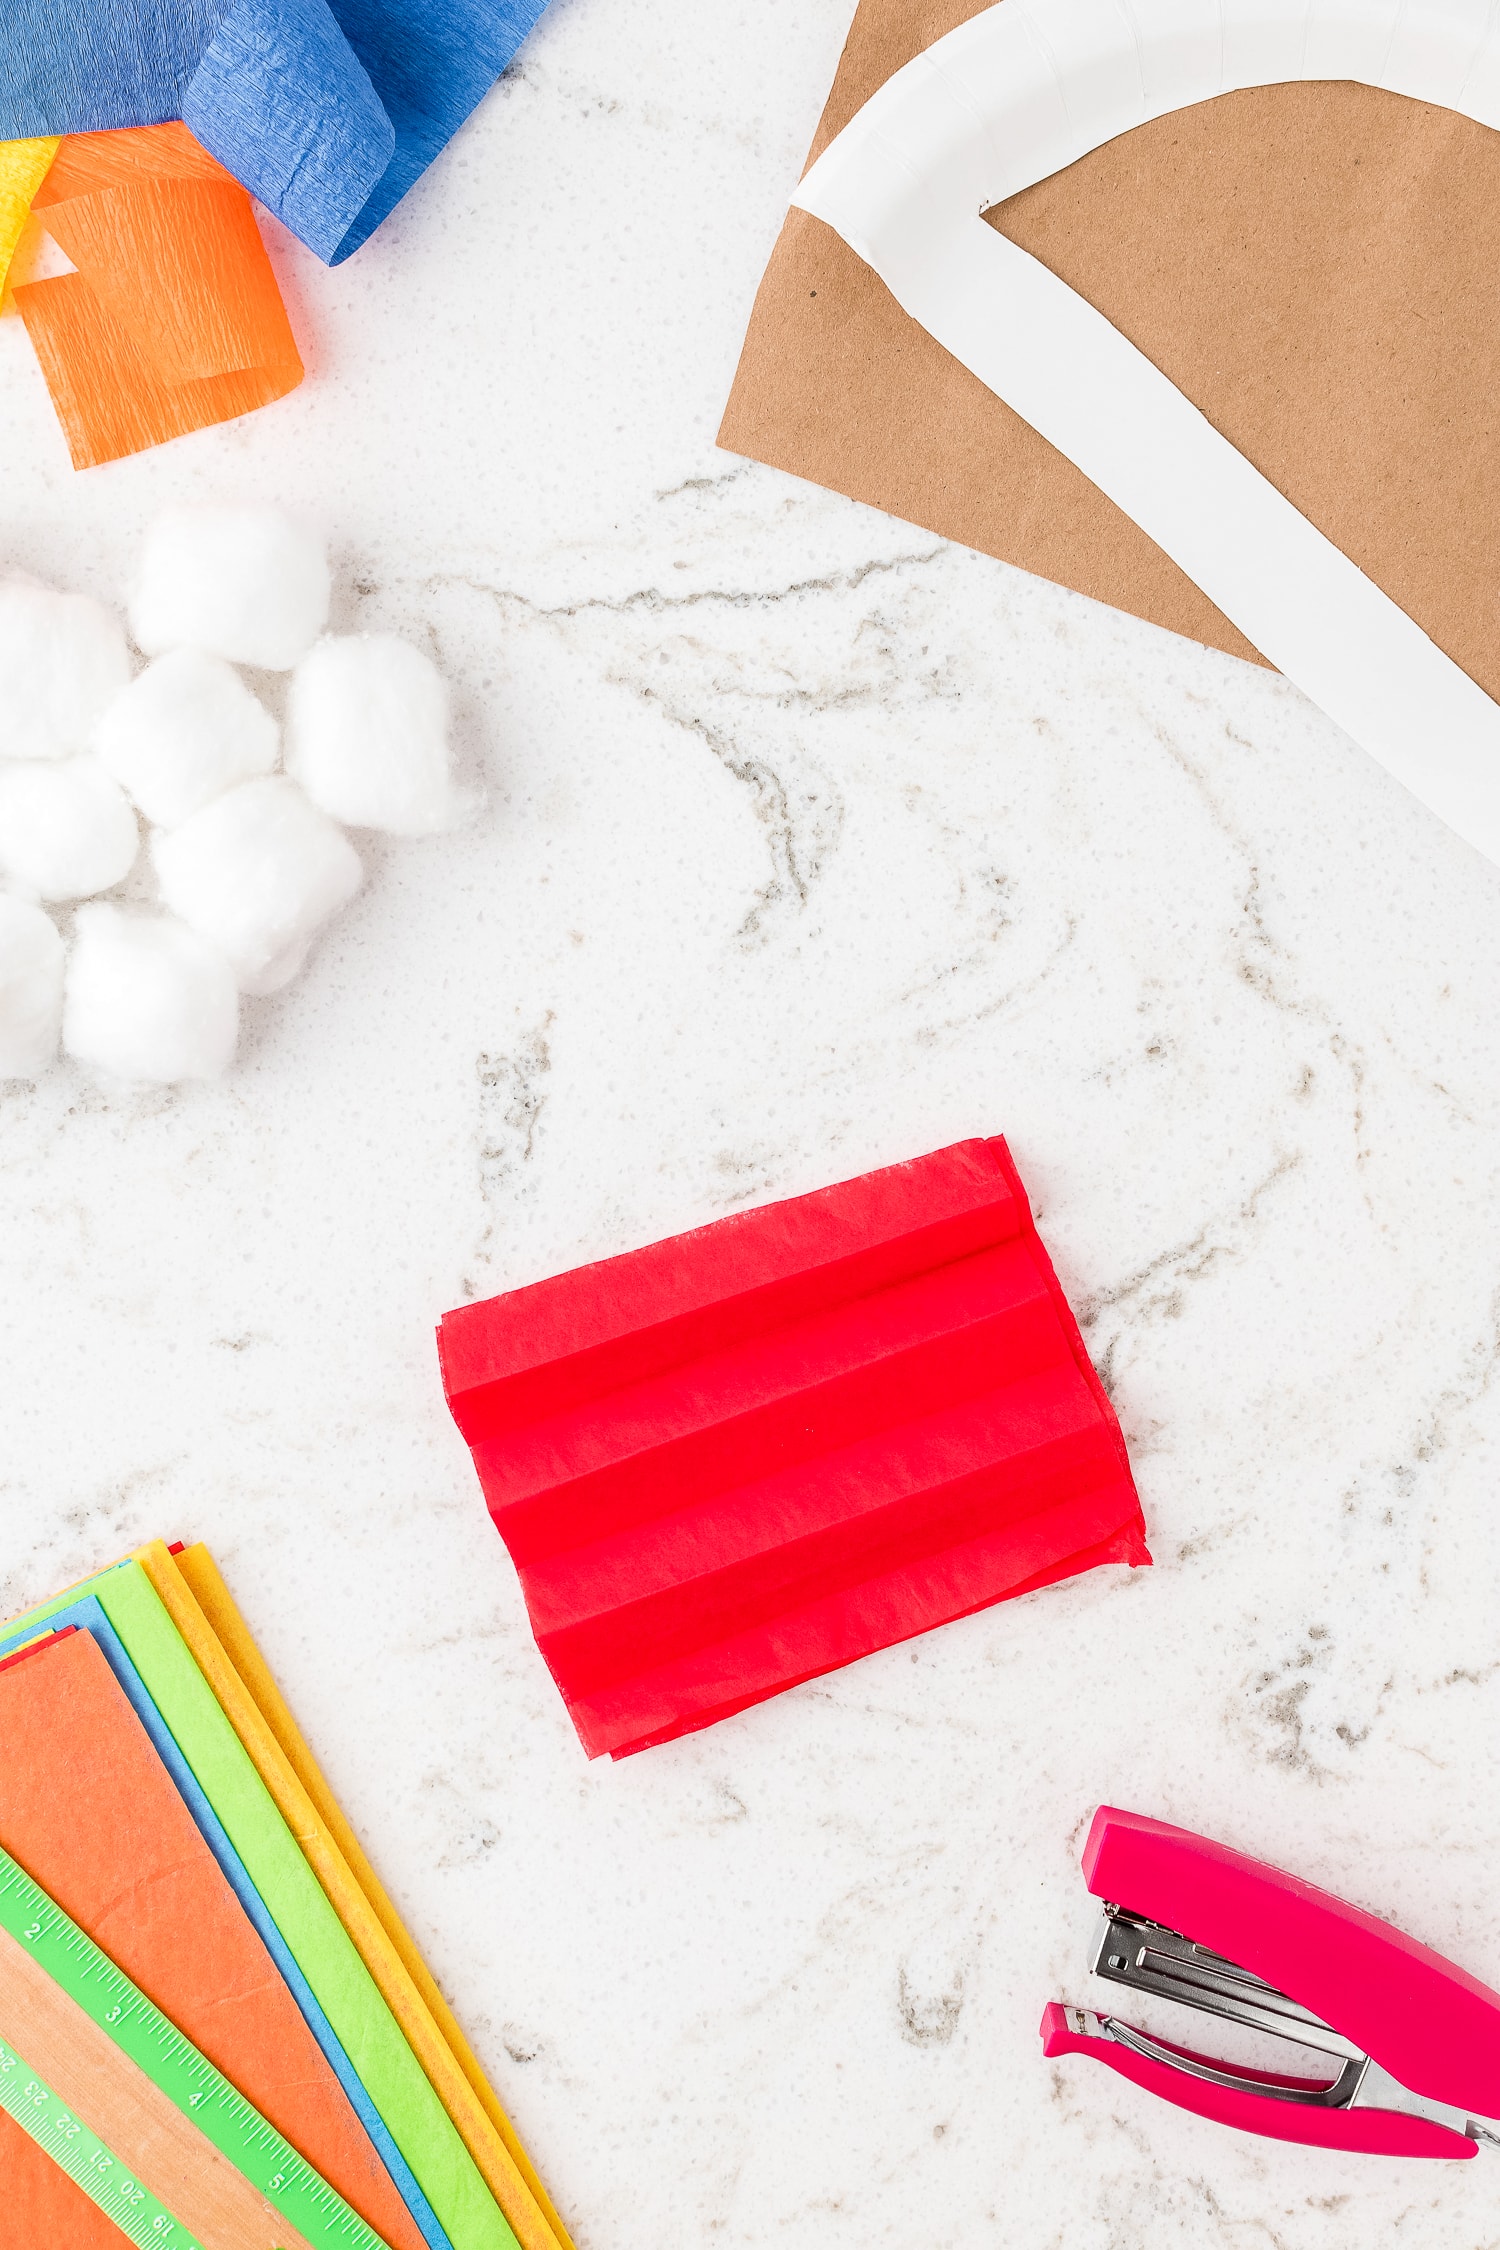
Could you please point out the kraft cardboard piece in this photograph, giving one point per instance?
(172, 319)
(334, 1967)
(735, 1460)
(478, 2139)
(1019, 94)
(87, 1616)
(198, 1569)
(90, 1812)
(1309, 263)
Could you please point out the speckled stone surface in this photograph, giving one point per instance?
(809, 843)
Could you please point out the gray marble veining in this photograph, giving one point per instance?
(807, 842)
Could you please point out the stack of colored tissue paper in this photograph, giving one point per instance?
(245, 857)
(155, 1786)
(740, 1458)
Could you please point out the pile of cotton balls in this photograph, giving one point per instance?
(249, 861)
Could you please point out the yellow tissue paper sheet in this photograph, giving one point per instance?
(23, 167)
(325, 1835)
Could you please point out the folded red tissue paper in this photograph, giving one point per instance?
(752, 1453)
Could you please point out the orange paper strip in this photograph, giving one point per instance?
(173, 320)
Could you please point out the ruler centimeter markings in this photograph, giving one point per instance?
(84, 2157)
(190, 2082)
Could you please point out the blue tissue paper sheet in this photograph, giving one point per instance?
(327, 110)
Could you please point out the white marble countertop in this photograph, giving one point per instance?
(810, 843)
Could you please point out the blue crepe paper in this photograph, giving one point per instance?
(88, 1615)
(328, 110)
(428, 84)
(282, 101)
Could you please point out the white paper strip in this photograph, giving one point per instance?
(1030, 86)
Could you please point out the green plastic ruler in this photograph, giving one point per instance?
(85, 2159)
(172, 2063)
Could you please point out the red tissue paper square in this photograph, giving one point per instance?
(750, 1454)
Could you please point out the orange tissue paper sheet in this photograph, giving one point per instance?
(173, 320)
(93, 1816)
(23, 167)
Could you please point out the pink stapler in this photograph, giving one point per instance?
(1416, 2041)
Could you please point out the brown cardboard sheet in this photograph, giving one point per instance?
(1314, 265)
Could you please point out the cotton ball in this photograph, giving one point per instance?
(185, 730)
(65, 830)
(367, 734)
(147, 998)
(31, 979)
(62, 657)
(245, 582)
(257, 873)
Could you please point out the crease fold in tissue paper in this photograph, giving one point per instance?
(749, 1455)
(173, 320)
(327, 110)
